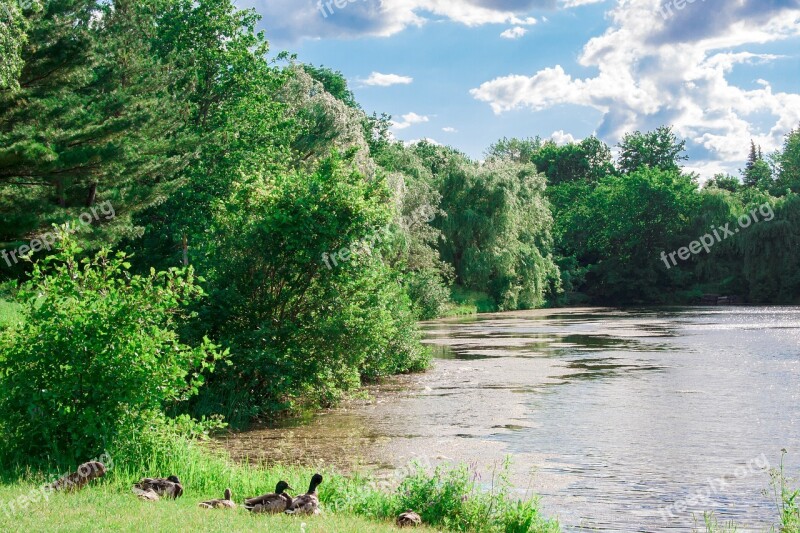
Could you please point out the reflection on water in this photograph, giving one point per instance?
(617, 418)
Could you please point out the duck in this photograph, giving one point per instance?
(276, 502)
(147, 495)
(409, 519)
(164, 488)
(307, 503)
(76, 481)
(225, 503)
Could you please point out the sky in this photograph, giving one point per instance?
(466, 73)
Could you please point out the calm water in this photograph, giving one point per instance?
(620, 420)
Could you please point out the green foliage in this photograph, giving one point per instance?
(789, 160)
(429, 295)
(589, 160)
(724, 182)
(95, 359)
(497, 229)
(13, 27)
(518, 150)
(94, 119)
(659, 149)
(306, 324)
(334, 83)
(787, 499)
(452, 499)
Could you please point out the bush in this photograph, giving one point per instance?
(452, 499)
(95, 360)
(448, 499)
(302, 296)
(429, 294)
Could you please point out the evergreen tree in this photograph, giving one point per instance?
(93, 121)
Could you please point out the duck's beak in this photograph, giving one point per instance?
(289, 488)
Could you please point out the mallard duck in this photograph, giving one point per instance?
(307, 503)
(148, 495)
(225, 503)
(164, 488)
(276, 502)
(78, 480)
(409, 519)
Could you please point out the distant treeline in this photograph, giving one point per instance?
(256, 172)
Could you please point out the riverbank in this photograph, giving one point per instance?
(448, 499)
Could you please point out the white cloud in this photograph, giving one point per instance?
(514, 33)
(652, 71)
(409, 120)
(387, 80)
(561, 138)
(290, 20)
(449, 129)
(424, 139)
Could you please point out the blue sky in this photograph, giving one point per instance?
(468, 72)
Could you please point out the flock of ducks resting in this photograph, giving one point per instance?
(153, 489)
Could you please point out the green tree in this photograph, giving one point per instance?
(93, 121)
(518, 150)
(497, 230)
(725, 182)
(13, 26)
(589, 160)
(789, 159)
(659, 149)
(301, 295)
(632, 220)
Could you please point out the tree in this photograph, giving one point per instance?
(725, 182)
(659, 150)
(631, 220)
(96, 359)
(497, 230)
(789, 159)
(13, 27)
(94, 119)
(589, 160)
(334, 83)
(518, 150)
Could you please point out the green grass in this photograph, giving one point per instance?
(104, 508)
(447, 499)
(467, 302)
(9, 313)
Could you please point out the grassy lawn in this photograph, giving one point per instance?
(103, 508)
(8, 313)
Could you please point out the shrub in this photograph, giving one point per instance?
(451, 498)
(429, 294)
(95, 360)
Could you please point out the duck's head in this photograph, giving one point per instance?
(174, 479)
(228, 494)
(316, 480)
(281, 487)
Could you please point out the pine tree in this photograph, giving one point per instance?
(757, 172)
(93, 121)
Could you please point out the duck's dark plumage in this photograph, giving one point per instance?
(276, 502)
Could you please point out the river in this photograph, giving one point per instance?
(621, 420)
